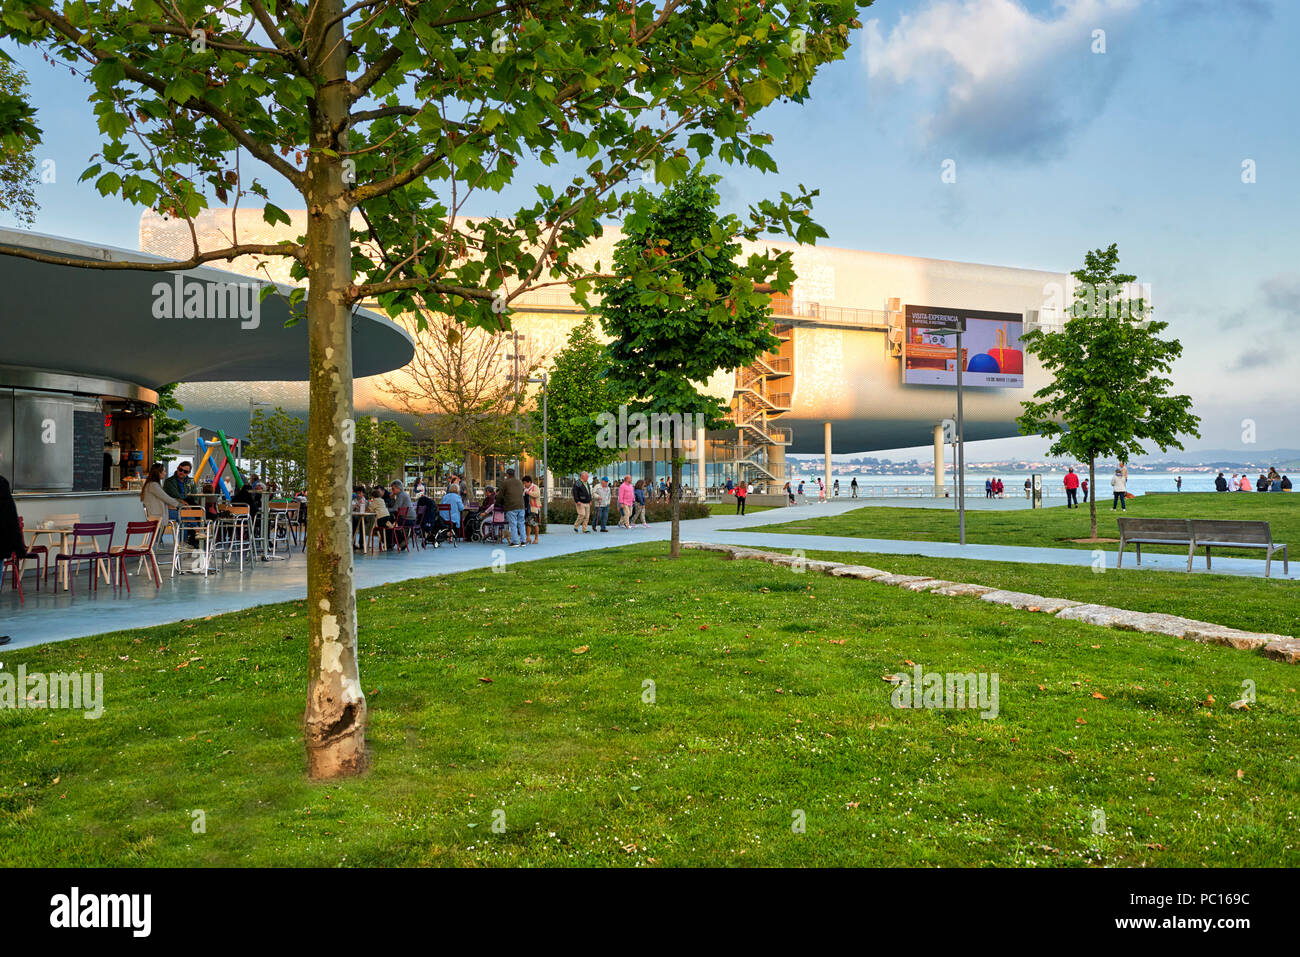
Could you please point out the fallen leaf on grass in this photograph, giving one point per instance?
(582, 649)
(486, 681)
(1099, 695)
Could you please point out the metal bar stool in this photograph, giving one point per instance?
(281, 518)
(235, 534)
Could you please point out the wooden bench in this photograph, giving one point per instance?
(1207, 532)
(1199, 533)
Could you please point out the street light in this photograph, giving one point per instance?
(543, 378)
(958, 329)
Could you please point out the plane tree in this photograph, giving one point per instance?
(392, 122)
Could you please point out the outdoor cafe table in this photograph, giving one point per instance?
(359, 518)
(65, 534)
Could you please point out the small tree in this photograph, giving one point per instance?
(380, 451)
(166, 428)
(279, 441)
(1110, 389)
(17, 163)
(578, 392)
(697, 313)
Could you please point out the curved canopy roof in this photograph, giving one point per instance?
(115, 323)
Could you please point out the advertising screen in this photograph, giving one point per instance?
(990, 343)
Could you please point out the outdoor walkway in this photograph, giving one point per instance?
(50, 616)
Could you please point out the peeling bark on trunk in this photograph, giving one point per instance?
(335, 721)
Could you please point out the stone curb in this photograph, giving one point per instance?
(1283, 648)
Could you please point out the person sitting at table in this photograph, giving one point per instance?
(180, 485)
(451, 498)
(379, 507)
(400, 499)
(157, 503)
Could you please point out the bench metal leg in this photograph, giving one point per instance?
(1207, 557)
(1119, 559)
(1138, 547)
(1191, 553)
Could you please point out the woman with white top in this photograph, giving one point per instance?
(156, 501)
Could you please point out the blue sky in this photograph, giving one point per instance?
(1057, 148)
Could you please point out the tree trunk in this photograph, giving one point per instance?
(1092, 493)
(675, 545)
(335, 721)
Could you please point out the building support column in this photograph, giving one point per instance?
(699, 461)
(938, 460)
(828, 460)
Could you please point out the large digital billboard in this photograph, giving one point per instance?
(990, 345)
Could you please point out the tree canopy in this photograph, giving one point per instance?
(1110, 392)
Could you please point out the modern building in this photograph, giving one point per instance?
(84, 351)
(862, 364)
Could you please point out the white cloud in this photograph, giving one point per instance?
(1006, 81)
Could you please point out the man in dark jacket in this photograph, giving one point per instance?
(582, 503)
(511, 497)
(1220, 483)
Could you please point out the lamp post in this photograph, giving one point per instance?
(543, 379)
(958, 329)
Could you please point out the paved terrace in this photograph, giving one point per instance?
(50, 616)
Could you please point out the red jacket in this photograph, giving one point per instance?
(1071, 480)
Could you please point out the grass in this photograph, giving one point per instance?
(1058, 526)
(1252, 604)
(769, 701)
(729, 508)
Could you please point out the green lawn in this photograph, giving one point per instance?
(729, 508)
(769, 701)
(1057, 526)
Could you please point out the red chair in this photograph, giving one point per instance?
(17, 564)
(89, 533)
(402, 529)
(34, 551)
(142, 549)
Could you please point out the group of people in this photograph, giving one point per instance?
(993, 488)
(1074, 485)
(1272, 482)
(591, 502)
(793, 492)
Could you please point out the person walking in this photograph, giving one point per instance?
(638, 494)
(853, 488)
(802, 500)
(1071, 489)
(1028, 485)
(741, 494)
(988, 488)
(1119, 485)
(600, 499)
(582, 503)
(626, 500)
(837, 488)
(511, 497)
(821, 490)
(1083, 487)
(532, 510)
